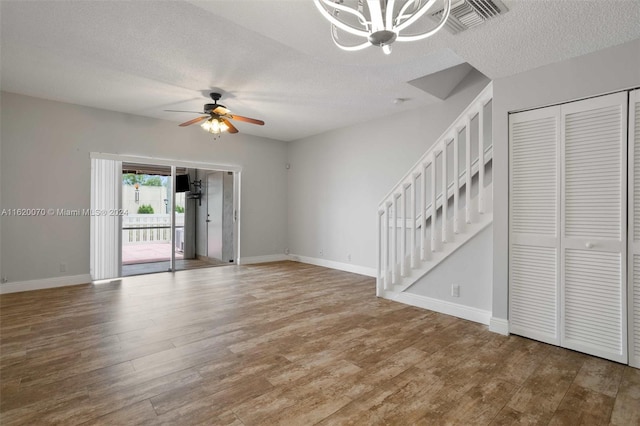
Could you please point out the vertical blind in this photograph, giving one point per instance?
(106, 183)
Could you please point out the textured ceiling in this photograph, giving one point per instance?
(272, 59)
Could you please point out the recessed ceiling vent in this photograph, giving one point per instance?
(467, 14)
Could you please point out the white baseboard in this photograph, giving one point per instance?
(263, 259)
(461, 311)
(347, 267)
(499, 325)
(14, 287)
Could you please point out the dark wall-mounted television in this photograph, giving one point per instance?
(182, 183)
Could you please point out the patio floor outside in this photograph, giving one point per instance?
(147, 252)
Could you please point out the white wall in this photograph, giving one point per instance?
(45, 164)
(338, 178)
(470, 267)
(608, 70)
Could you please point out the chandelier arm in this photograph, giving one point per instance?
(360, 9)
(403, 9)
(348, 48)
(375, 12)
(389, 12)
(339, 6)
(337, 22)
(417, 15)
(422, 36)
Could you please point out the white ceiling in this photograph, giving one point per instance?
(272, 59)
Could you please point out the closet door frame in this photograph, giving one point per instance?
(621, 245)
(633, 277)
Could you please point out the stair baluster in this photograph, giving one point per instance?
(403, 229)
(445, 191)
(412, 240)
(423, 212)
(456, 182)
(467, 174)
(434, 198)
(387, 225)
(481, 158)
(394, 241)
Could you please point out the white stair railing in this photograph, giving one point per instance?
(417, 202)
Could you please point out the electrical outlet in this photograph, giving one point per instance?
(349, 257)
(286, 251)
(455, 290)
(321, 252)
(63, 267)
(5, 279)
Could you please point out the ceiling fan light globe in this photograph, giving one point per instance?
(215, 126)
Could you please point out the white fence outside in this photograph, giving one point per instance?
(148, 228)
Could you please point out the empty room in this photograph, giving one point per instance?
(330, 212)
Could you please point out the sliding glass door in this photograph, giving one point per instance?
(172, 216)
(147, 240)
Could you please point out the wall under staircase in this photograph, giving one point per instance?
(442, 204)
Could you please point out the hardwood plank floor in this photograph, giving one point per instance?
(282, 343)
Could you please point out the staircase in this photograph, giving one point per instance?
(420, 224)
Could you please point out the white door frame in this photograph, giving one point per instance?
(237, 173)
(235, 214)
(633, 244)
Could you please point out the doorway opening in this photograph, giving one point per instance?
(218, 247)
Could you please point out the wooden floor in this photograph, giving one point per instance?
(282, 343)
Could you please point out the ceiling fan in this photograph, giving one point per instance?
(217, 117)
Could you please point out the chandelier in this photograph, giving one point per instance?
(379, 22)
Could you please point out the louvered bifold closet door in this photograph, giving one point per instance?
(593, 258)
(534, 224)
(634, 229)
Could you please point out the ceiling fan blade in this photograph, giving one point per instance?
(220, 110)
(195, 120)
(247, 119)
(177, 110)
(232, 128)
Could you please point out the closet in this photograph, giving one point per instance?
(569, 257)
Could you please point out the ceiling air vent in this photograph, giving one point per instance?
(466, 14)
